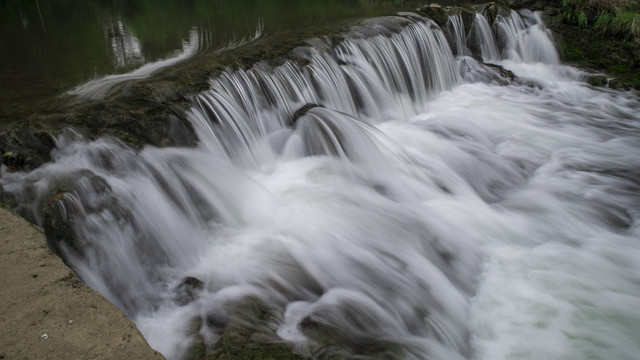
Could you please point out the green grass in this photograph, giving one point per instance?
(606, 17)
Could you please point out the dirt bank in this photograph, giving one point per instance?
(40, 295)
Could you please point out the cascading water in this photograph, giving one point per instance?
(483, 36)
(383, 198)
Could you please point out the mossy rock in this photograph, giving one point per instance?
(244, 333)
(188, 291)
(26, 146)
(257, 341)
(435, 12)
(491, 11)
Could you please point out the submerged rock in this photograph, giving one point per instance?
(244, 333)
(249, 336)
(188, 291)
(302, 111)
(334, 342)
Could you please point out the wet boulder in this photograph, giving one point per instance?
(58, 218)
(333, 341)
(188, 291)
(435, 12)
(302, 111)
(468, 17)
(25, 147)
(491, 11)
(244, 331)
(71, 199)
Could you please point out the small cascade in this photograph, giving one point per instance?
(482, 35)
(526, 40)
(369, 75)
(458, 38)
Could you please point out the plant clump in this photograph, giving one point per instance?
(605, 17)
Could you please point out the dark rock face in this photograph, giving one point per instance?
(134, 121)
(440, 14)
(25, 147)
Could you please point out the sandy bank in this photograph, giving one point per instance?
(40, 295)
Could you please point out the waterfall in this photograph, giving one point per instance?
(380, 196)
(484, 36)
(394, 73)
(458, 38)
(530, 42)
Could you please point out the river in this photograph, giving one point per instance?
(404, 192)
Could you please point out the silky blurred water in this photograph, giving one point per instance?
(406, 202)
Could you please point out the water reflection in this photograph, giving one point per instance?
(127, 49)
(125, 46)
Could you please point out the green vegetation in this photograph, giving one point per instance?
(602, 35)
(605, 17)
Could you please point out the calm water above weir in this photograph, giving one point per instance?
(49, 47)
(401, 192)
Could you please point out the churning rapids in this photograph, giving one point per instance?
(386, 195)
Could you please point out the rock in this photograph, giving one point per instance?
(188, 291)
(301, 112)
(526, 4)
(435, 12)
(247, 334)
(137, 117)
(57, 218)
(72, 198)
(468, 17)
(490, 11)
(598, 80)
(504, 73)
(26, 146)
(137, 122)
(244, 332)
(335, 342)
(198, 349)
